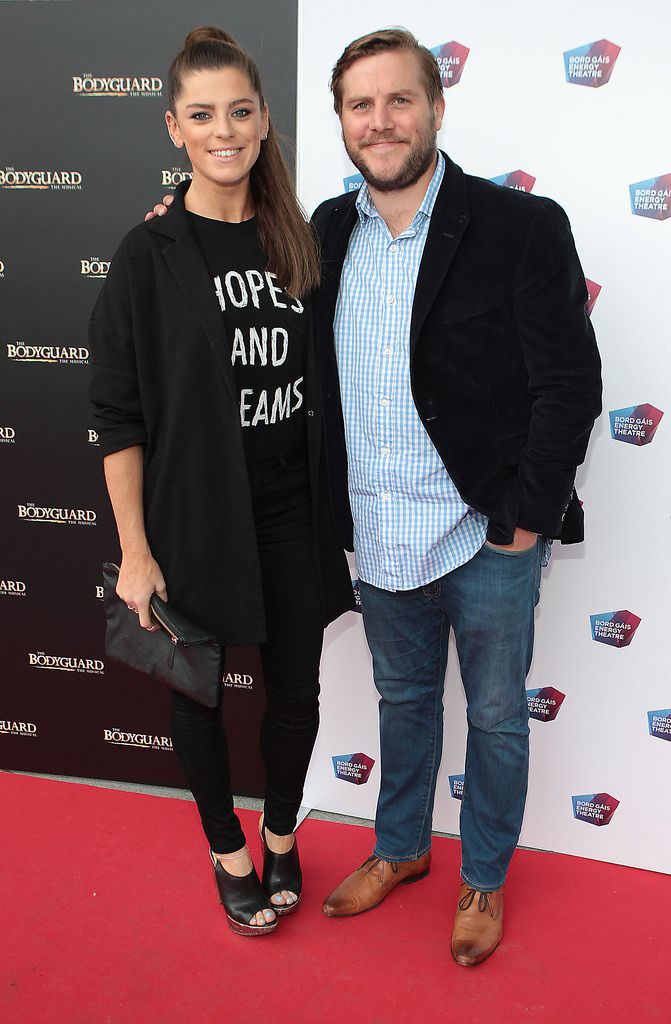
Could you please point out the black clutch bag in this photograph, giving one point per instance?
(179, 653)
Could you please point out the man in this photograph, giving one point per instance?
(460, 382)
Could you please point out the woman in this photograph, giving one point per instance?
(205, 394)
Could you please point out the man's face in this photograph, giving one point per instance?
(388, 124)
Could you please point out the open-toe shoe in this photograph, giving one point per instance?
(242, 898)
(281, 871)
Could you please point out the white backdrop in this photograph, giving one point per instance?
(514, 110)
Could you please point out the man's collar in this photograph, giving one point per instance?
(366, 207)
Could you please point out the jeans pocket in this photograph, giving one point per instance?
(511, 554)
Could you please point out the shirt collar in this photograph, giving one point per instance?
(366, 207)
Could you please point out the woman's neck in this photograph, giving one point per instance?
(229, 203)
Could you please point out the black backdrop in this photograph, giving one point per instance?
(77, 170)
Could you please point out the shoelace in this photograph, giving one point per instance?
(373, 861)
(483, 902)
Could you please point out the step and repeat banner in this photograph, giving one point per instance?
(570, 107)
(569, 103)
(84, 153)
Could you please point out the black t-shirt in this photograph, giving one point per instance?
(266, 330)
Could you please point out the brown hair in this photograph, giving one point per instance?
(382, 41)
(286, 238)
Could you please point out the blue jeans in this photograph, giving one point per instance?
(489, 603)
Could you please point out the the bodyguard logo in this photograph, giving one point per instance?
(13, 588)
(26, 730)
(593, 290)
(616, 629)
(544, 703)
(637, 424)
(7, 435)
(117, 85)
(32, 513)
(357, 595)
(456, 786)
(173, 176)
(92, 438)
(518, 180)
(651, 198)
(659, 723)
(94, 269)
(238, 681)
(70, 181)
(73, 355)
(2, 269)
(591, 64)
(66, 663)
(451, 58)
(355, 768)
(595, 808)
(100, 593)
(140, 740)
(353, 182)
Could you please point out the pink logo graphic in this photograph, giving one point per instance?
(593, 290)
(616, 629)
(651, 198)
(544, 704)
(595, 808)
(451, 58)
(354, 768)
(519, 180)
(591, 64)
(637, 424)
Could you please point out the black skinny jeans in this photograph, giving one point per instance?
(290, 660)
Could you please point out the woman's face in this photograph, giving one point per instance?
(219, 119)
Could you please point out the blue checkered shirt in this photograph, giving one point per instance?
(410, 523)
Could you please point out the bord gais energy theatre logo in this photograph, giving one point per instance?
(659, 723)
(651, 198)
(354, 768)
(591, 64)
(66, 181)
(451, 58)
(616, 629)
(117, 85)
(593, 290)
(636, 424)
(456, 786)
(544, 703)
(352, 183)
(595, 808)
(518, 180)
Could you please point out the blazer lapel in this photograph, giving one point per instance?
(186, 263)
(334, 250)
(449, 221)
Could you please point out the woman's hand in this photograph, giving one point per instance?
(139, 578)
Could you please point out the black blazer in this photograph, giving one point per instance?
(504, 367)
(162, 378)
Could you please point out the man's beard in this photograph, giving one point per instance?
(421, 156)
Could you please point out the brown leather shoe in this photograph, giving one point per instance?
(478, 925)
(369, 884)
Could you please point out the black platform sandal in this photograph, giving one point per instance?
(281, 871)
(242, 898)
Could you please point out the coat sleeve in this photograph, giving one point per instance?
(563, 367)
(114, 389)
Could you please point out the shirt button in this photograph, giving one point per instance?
(391, 299)
(393, 248)
(385, 450)
(384, 401)
(386, 495)
(386, 351)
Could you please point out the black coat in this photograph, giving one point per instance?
(505, 372)
(162, 378)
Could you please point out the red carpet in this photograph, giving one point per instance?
(109, 916)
